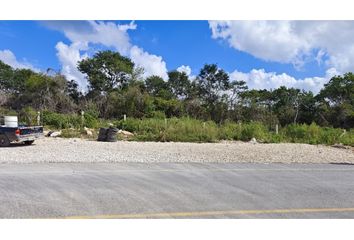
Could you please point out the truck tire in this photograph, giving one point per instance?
(112, 134)
(28, 142)
(4, 141)
(102, 134)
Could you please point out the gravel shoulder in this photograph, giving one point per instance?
(80, 150)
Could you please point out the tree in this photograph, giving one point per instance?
(13, 80)
(72, 89)
(339, 90)
(20, 76)
(6, 75)
(44, 92)
(3, 98)
(106, 71)
(157, 87)
(132, 102)
(257, 106)
(211, 83)
(211, 86)
(237, 88)
(337, 101)
(307, 108)
(286, 104)
(179, 84)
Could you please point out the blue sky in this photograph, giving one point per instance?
(265, 54)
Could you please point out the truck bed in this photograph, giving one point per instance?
(25, 134)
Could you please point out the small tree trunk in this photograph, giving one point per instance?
(297, 113)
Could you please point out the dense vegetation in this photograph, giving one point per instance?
(207, 108)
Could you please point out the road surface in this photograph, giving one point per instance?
(171, 190)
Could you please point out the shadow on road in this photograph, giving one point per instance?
(14, 145)
(342, 163)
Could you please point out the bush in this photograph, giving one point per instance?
(192, 130)
(7, 112)
(172, 129)
(157, 114)
(348, 138)
(230, 131)
(254, 130)
(187, 129)
(90, 120)
(61, 121)
(28, 115)
(295, 132)
(314, 134)
(70, 133)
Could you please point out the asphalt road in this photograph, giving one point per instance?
(126, 190)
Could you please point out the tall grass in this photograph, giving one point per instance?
(63, 121)
(173, 129)
(193, 130)
(314, 134)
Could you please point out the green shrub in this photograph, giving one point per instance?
(314, 134)
(276, 138)
(172, 129)
(7, 112)
(295, 132)
(90, 120)
(192, 130)
(185, 129)
(303, 133)
(347, 138)
(70, 133)
(157, 114)
(28, 116)
(61, 121)
(254, 130)
(230, 131)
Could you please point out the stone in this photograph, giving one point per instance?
(253, 140)
(54, 133)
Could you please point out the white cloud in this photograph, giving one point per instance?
(69, 56)
(186, 69)
(10, 59)
(108, 34)
(293, 42)
(82, 34)
(152, 64)
(260, 79)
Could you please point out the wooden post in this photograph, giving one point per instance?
(276, 129)
(38, 118)
(165, 122)
(82, 118)
(125, 117)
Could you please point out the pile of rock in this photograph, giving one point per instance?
(52, 133)
(88, 131)
(253, 141)
(125, 134)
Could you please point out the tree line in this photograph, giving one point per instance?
(117, 87)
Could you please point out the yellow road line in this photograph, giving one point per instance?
(215, 213)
